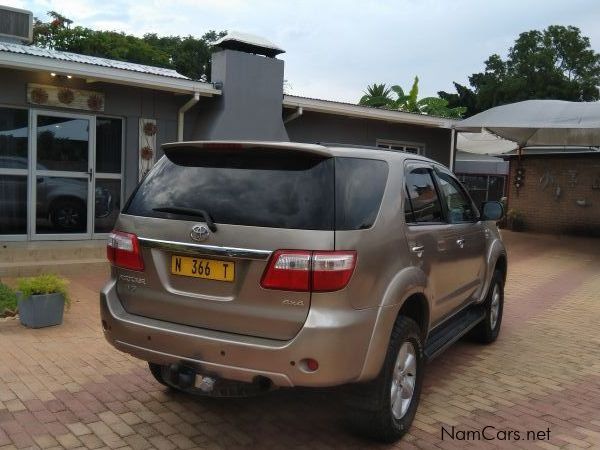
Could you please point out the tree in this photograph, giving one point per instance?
(376, 95)
(188, 55)
(556, 63)
(464, 98)
(379, 95)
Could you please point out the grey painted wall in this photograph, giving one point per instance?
(318, 127)
(250, 105)
(129, 103)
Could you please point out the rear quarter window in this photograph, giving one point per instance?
(359, 187)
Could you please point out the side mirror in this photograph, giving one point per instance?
(492, 211)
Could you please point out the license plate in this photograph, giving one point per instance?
(209, 269)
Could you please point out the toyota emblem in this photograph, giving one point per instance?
(200, 233)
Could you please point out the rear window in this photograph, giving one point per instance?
(359, 188)
(263, 189)
(266, 189)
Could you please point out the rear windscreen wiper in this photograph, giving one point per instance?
(188, 212)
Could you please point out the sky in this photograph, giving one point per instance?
(335, 48)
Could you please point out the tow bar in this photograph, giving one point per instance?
(186, 378)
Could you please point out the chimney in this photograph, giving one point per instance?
(251, 80)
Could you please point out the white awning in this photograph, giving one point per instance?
(483, 143)
(540, 122)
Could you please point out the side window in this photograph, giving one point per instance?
(423, 195)
(409, 217)
(458, 205)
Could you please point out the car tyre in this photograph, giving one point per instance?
(157, 372)
(488, 329)
(383, 409)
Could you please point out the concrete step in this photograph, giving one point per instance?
(58, 267)
(23, 252)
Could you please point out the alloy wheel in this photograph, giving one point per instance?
(404, 379)
(495, 307)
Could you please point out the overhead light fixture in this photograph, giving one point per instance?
(52, 74)
(69, 76)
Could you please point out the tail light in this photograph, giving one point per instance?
(331, 271)
(299, 270)
(288, 270)
(123, 250)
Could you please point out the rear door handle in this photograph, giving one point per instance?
(460, 242)
(418, 249)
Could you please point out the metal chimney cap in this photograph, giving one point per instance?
(249, 43)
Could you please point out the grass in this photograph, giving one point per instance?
(8, 299)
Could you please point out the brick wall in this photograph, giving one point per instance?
(542, 210)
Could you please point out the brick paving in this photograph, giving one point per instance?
(65, 387)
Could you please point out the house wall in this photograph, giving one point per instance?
(576, 175)
(318, 127)
(129, 103)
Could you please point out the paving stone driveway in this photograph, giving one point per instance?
(65, 387)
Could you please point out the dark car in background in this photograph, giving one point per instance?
(61, 202)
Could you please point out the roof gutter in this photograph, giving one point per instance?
(181, 114)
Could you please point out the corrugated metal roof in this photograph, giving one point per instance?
(84, 59)
(366, 107)
(352, 109)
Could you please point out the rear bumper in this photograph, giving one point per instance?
(337, 338)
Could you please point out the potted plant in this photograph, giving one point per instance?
(42, 300)
(8, 301)
(515, 220)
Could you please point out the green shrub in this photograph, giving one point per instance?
(8, 298)
(44, 284)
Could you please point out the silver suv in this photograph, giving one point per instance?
(238, 267)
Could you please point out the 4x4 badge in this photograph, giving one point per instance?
(200, 233)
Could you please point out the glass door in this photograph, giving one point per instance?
(61, 182)
(14, 169)
(108, 174)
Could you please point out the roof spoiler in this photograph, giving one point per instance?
(177, 150)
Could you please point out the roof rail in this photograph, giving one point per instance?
(339, 144)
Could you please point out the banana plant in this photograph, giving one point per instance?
(378, 95)
(435, 106)
(404, 102)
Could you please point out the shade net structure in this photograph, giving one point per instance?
(484, 143)
(539, 123)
